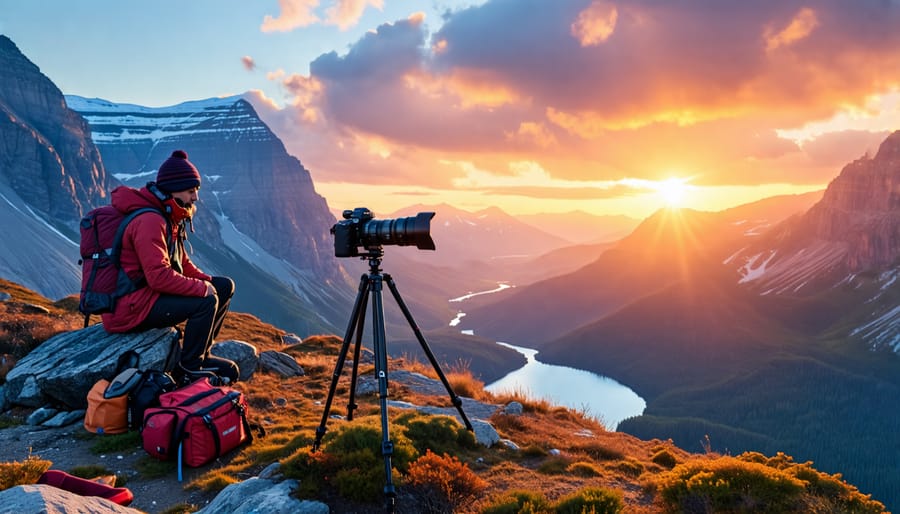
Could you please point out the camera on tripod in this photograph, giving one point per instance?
(359, 229)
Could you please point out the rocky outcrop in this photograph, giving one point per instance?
(861, 208)
(63, 368)
(263, 495)
(52, 500)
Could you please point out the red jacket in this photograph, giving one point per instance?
(144, 251)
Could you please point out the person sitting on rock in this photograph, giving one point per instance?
(176, 289)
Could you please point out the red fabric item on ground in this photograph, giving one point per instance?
(83, 487)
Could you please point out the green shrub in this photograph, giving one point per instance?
(533, 450)
(554, 465)
(727, 484)
(25, 472)
(583, 469)
(312, 470)
(628, 467)
(109, 443)
(519, 502)
(440, 434)
(664, 458)
(593, 500)
(7, 421)
(829, 492)
(351, 461)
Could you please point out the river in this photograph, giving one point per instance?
(595, 395)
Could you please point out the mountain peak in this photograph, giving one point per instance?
(890, 148)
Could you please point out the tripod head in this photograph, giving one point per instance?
(374, 255)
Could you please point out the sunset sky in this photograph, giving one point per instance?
(530, 105)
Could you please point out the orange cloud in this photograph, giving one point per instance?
(800, 26)
(469, 89)
(306, 92)
(248, 62)
(596, 23)
(533, 133)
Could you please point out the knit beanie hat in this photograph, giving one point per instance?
(177, 174)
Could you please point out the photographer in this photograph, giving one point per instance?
(176, 290)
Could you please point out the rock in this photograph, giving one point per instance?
(30, 308)
(485, 433)
(262, 495)
(271, 471)
(63, 368)
(243, 354)
(366, 385)
(513, 409)
(509, 445)
(289, 339)
(280, 363)
(64, 419)
(51, 500)
(366, 356)
(41, 415)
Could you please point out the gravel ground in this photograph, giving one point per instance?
(66, 449)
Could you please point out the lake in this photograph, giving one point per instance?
(595, 395)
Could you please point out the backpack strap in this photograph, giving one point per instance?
(126, 284)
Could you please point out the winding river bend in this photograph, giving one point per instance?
(596, 395)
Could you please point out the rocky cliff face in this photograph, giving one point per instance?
(48, 158)
(862, 209)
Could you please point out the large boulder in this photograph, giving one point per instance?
(262, 495)
(243, 354)
(51, 500)
(63, 368)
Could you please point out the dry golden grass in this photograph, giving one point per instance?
(24, 472)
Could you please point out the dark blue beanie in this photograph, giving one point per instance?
(177, 174)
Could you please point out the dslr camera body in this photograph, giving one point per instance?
(359, 229)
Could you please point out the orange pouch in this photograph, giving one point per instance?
(105, 415)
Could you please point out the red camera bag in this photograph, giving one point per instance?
(196, 424)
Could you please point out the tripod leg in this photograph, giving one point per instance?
(457, 402)
(355, 373)
(387, 447)
(354, 323)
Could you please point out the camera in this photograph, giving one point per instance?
(359, 229)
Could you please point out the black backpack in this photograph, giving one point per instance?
(143, 387)
(103, 281)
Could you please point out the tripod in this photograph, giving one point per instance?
(373, 282)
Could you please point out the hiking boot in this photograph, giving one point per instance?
(185, 377)
(224, 368)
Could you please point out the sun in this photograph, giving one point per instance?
(673, 191)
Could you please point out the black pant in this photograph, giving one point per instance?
(204, 316)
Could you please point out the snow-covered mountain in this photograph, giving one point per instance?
(849, 241)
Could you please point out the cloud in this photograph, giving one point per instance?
(301, 13)
(599, 90)
(799, 28)
(248, 63)
(294, 14)
(346, 13)
(596, 23)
